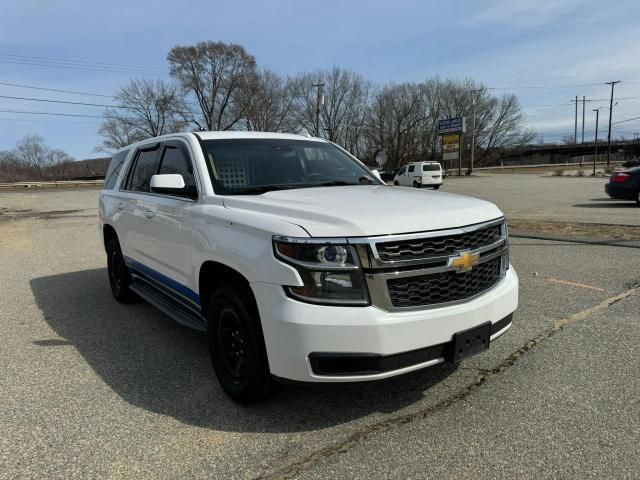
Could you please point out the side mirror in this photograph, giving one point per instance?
(377, 174)
(171, 184)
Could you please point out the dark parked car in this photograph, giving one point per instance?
(388, 176)
(625, 185)
(635, 162)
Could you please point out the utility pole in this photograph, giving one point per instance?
(610, 115)
(583, 102)
(575, 131)
(319, 103)
(595, 153)
(473, 127)
(582, 141)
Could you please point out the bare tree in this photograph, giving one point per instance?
(268, 103)
(346, 99)
(10, 166)
(145, 108)
(116, 135)
(33, 153)
(215, 73)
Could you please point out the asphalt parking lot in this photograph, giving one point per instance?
(91, 388)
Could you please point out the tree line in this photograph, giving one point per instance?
(33, 159)
(219, 86)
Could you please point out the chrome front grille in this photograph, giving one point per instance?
(426, 290)
(422, 248)
(425, 270)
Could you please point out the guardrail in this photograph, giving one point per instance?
(51, 184)
(585, 164)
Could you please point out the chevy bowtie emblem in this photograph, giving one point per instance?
(463, 262)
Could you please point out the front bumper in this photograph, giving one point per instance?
(294, 330)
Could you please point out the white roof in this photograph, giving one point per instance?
(237, 134)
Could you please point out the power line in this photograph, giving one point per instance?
(19, 85)
(61, 101)
(51, 113)
(626, 120)
(80, 62)
(110, 70)
(543, 86)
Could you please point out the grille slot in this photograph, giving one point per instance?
(423, 248)
(444, 287)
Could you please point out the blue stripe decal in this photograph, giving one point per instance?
(183, 293)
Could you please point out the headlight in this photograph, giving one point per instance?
(330, 271)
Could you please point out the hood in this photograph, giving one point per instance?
(366, 210)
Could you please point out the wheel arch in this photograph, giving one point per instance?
(213, 275)
(108, 233)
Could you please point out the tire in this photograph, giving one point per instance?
(436, 187)
(236, 345)
(638, 198)
(119, 277)
(396, 184)
(415, 184)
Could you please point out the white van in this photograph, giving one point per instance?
(420, 174)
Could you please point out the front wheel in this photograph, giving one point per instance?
(638, 198)
(396, 184)
(416, 185)
(236, 345)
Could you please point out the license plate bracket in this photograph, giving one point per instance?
(469, 342)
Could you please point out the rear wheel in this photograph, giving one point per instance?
(436, 187)
(236, 345)
(119, 277)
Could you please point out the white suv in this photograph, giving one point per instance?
(298, 262)
(420, 174)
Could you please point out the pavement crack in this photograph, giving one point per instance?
(363, 433)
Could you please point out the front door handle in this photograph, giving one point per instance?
(147, 212)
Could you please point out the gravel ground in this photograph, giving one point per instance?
(91, 388)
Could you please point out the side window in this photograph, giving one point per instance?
(114, 169)
(412, 168)
(176, 160)
(143, 169)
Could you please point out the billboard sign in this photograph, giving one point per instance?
(451, 125)
(450, 146)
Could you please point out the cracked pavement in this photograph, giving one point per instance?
(90, 388)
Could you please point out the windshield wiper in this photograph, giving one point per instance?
(333, 183)
(259, 189)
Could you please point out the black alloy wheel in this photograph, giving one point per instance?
(236, 345)
(119, 277)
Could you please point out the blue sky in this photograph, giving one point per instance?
(562, 48)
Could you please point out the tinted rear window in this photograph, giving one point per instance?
(430, 168)
(113, 172)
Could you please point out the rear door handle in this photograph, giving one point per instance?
(147, 212)
(120, 205)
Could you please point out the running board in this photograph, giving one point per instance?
(180, 314)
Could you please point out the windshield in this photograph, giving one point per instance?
(255, 166)
(430, 167)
